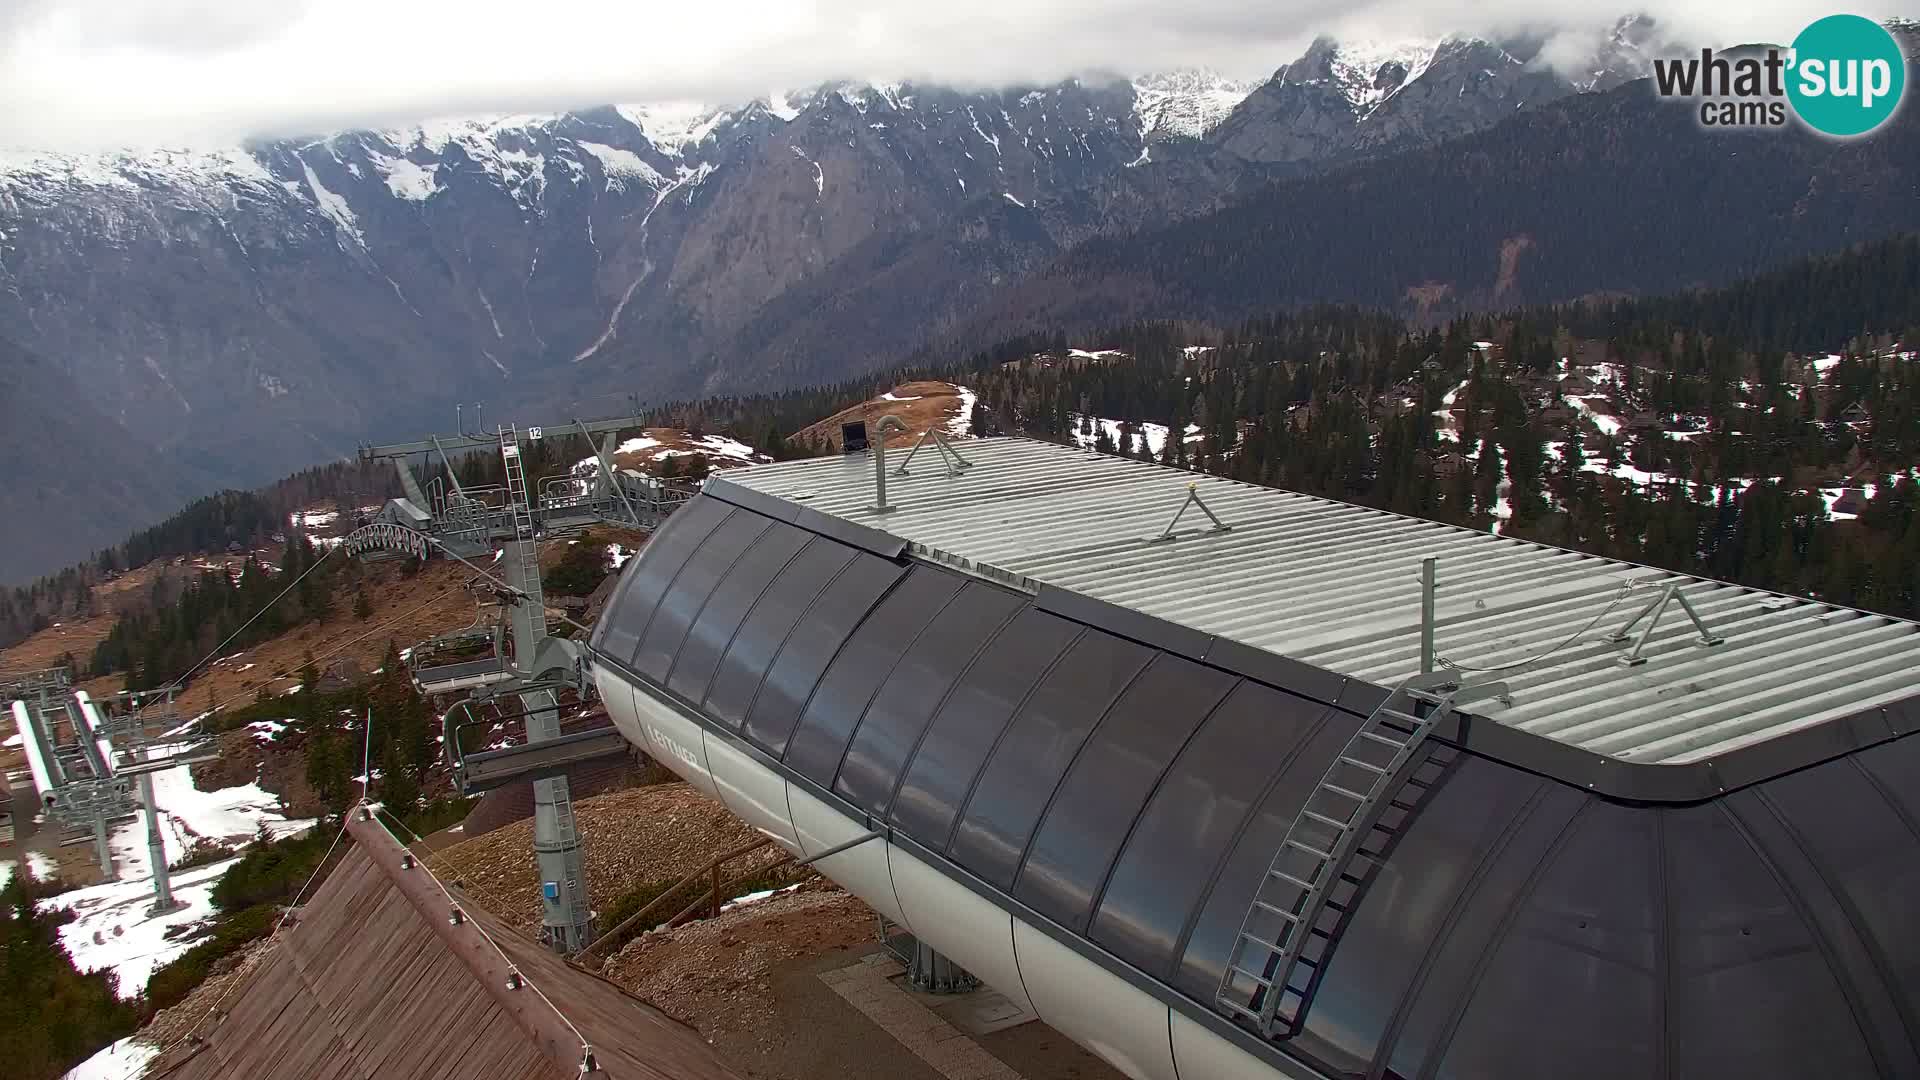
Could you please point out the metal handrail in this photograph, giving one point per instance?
(711, 869)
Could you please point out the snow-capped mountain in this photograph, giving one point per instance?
(1343, 98)
(250, 310)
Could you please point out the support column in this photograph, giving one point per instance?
(101, 849)
(163, 900)
(933, 973)
(556, 839)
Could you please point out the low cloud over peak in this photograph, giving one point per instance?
(98, 74)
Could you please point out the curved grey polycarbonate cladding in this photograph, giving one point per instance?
(1119, 795)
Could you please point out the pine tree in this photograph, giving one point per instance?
(399, 789)
(1486, 483)
(362, 606)
(327, 770)
(52, 1017)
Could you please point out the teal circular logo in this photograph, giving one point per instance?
(1847, 75)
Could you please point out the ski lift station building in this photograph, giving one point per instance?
(1100, 764)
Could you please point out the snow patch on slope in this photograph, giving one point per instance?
(674, 127)
(613, 323)
(962, 423)
(1155, 435)
(487, 141)
(622, 166)
(119, 1061)
(131, 171)
(414, 183)
(334, 207)
(819, 174)
(1185, 104)
(1356, 68)
(780, 105)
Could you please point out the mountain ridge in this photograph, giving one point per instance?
(241, 313)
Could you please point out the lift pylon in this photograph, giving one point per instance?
(512, 519)
(89, 757)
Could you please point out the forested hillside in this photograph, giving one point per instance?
(1809, 306)
(1603, 195)
(235, 521)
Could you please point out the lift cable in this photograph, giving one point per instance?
(264, 608)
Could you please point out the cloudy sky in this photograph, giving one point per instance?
(93, 74)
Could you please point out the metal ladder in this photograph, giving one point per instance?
(1286, 916)
(521, 509)
(568, 834)
(516, 482)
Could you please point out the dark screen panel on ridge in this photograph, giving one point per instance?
(1109, 784)
(811, 646)
(1023, 771)
(905, 703)
(963, 732)
(727, 606)
(666, 552)
(820, 739)
(767, 626)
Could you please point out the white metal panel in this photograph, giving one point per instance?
(617, 696)
(672, 739)
(1094, 1007)
(976, 933)
(862, 869)
(1202, 1055)
(42, 783)
(96, 731)
(1338, 586)
(753, 792)
(1100, 1010)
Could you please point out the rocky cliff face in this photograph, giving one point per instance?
(73, 472)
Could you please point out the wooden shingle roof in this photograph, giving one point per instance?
(374, 982)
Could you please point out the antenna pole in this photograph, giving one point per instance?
(1427, 566)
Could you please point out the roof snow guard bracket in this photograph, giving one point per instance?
(1193, 499)
(949, 457)
(1294, 920)
(1652, 612)
(386, 536)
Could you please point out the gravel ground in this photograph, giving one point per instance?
(712, 973)
(168, 1025)
(748, 981)
(662, 832)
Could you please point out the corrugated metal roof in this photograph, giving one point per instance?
(1338, 586)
